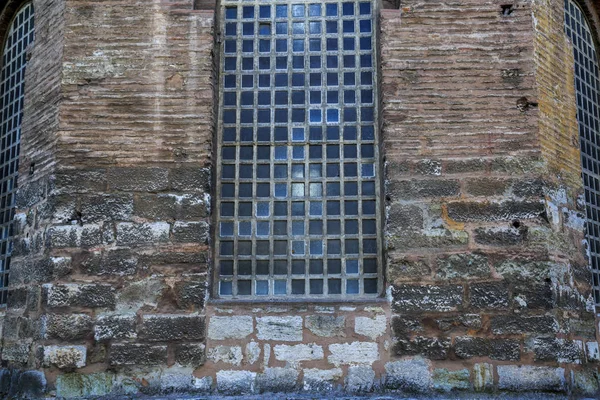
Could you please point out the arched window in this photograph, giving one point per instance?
(587, 88)
(12, 77)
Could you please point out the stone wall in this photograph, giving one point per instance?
(488, 286)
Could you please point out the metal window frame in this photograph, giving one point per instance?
(378, 216)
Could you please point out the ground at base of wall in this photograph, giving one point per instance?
(511, 396)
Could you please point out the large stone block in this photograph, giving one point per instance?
(137, 179)
(423, 188)
(463, 266)
(80, 295)
(353, 353)
(401, 216)
(234, 327)
(106, 207)
(133, 234)
(191, 232)
(326, 325)
(167, 206)
(515, 324)
(488, 211)
(432, 348)
(115, 327)
(408, 298)
(168, 327)
(118, 262)
(137, 354)
(277, 380)
(190, 354)
(445, 380)
(65, 357)
(68, 236)
(489, 295)
(190, 179)
(225, 354)
(284, 328)
(320, 380)
(411, 376)
(496, 349)
(561, 350)
(370, 327)
(236, 382)
(77, 385)
(298, 352)
(68, 327)
(360, 379)
(529, 378)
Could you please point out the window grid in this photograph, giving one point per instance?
(298, 210)
(12, 78)
(587, 85)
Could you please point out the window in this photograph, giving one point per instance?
(298, 172)
(587, 86)
(12, 78)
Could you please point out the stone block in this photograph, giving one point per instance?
(501, 236)
(190, 354)
(486, 187)
(353, 353)
(284, 328)
(529, 378)
(431, 238)
(68, 327)
(529, 188)
(320, 380)
(39, 270)
(166, 206)
(118, 262)
(67, 236)
(236, 382)
(298, 352)
(234, 327)
(326, 325)
(403, 325)
(561, 350)
(80, 180)
(186, 179)
(408, 298)
(463, 266)
(401, 216)
(423, 188)
(252, 352)
(16, 352)
(411, 376)
(226, 354)
(489, 295)
(496, 349)
(277, 380)
(169, 327)
(432, 348)
(115, 327)
(469, 321)
(534, 296)
(447, 381)
(190, 294)
(405, 270)
(137, 354)
(191, 232)
(139, 179)
(133, 234)
(76, 385)
(80, 295)
(106, 207)
(360, 379)
(515, 324)
(483, 377)
(370, 327)
(592, 351)
(65, 357)
(585, 383)
(470, 211)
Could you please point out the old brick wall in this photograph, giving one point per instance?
(487, 279)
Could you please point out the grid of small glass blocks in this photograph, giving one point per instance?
(12, 76)
(587, 86)
(297, 191)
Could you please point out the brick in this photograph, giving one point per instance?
(298, 352)
(407, 298)
(68, 327)
(489, 295)
(529, 378)
(140, 179)
(412, 376)
(235, 327)
(463, 266)
(168, 327)
(65, 357)
(353, 353)
(80, 295)
(115, 327)
(285, 329)
(423, 188)
(130, 234)
(137, 354)
(513, 324)
(326, 325)
(497, 349)
(431, 348)
(494, 211)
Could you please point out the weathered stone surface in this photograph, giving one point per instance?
(17, 352)
(252, 352)
(164, 207)
(463, 266)
(68, 327)
(534, 296)
(276, 380)
(447, 381)
(470, 321)
(320, 380)
(494, 211)
(190, 354)
(234, 327)
(132, 234)
(226, 354)
(422, 188)
(489, 295)
(143, 292)
(137, 354)
(519, 271)
(432, 348)
(360, 379)
(401, 216)
(77, 385)
(370, 327)
(190, 294)
(80, 295)
(515, 324)
(163, 327)
(501, 236)
(486, 187)
(592, 351)
(585, 383)
(298, 352)
(529, 378)
(106, 207)
(285, 329)
(483, 377)
(38, 271)
(65, 357)
(326, 325)
(496, 349)
(353, 353)
(190, 179)
(411, 376)
(404, 269)
(190, 232)
(118, 262)
(561, 350)
(430, 238)
(137, 179)
(236, 382)
(426, 298)
(111, 327)
(403, 325)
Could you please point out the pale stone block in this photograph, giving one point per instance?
(360, 378)
(320, 379)
(299, 352)
(236, 382)
(483, 377)
(370, 327)
(234, 327)
(227, 354)
(353, 353)
(528, 378)
(252, 352)
(593, 353)
(284, 329)
(65, 356)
